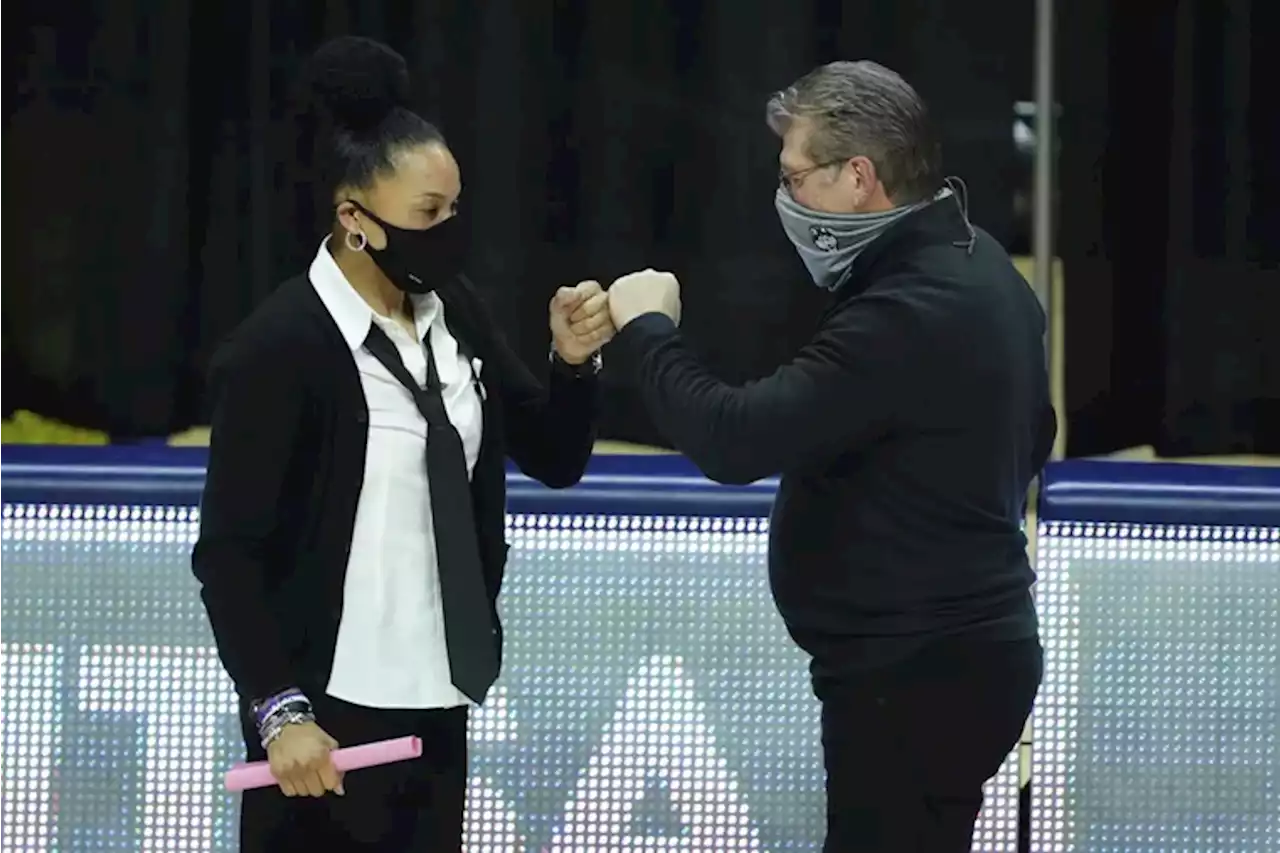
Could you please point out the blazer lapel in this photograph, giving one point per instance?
(346, 377)
(466, 321)
(462, 314)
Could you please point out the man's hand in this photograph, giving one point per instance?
(580, 321)
(300, 761)
(642, 293)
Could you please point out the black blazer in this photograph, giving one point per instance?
(286, 466)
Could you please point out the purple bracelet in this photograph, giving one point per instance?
(275, 713)
(292, 699)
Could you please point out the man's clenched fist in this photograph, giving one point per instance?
(642, 293)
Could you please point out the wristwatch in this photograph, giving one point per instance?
(590, 367)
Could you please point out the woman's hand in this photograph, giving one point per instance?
(580, 321)
(300, 761)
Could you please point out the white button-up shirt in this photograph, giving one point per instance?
(391, 650)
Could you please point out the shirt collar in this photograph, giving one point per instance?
(349, 311)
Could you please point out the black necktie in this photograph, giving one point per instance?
(469, 630)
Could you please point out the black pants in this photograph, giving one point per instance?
(909, 747)
(407, 807)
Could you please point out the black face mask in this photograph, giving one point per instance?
(420, 260)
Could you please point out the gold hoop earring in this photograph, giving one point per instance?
(359, 243)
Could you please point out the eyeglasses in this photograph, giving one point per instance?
(793, 181)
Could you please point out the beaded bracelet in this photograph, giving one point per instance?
(276, 725)
(285, 708)
(274, 704)
(295, 705)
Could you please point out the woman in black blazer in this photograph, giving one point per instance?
(351, 543)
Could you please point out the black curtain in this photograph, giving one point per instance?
(1170, 232)
(151, 164)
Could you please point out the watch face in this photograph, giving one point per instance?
(590, 366)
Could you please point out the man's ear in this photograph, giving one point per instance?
(865, 170)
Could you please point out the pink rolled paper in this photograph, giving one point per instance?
(257, 774)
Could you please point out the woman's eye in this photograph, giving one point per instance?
(434, 213)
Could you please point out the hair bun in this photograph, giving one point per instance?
(358, 81)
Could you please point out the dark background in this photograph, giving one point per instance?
(1170, 228)
(152, 190)
(151, 145)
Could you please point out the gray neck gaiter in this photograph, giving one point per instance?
(828, 243)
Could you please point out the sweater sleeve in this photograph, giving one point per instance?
(550, 429)
(256, 414)
(842, 390)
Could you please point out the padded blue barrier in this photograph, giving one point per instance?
(650, 699)
(651, 695)
(1158, 722)
(657, 484)
(1161, 493)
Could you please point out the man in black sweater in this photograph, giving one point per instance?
(907, 433)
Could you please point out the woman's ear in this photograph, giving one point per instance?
(348, 219)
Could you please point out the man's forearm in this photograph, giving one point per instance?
(675, 390)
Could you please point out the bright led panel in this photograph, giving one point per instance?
(1158, 723)
(651, 699)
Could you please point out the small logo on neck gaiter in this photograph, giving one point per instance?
(823, 239)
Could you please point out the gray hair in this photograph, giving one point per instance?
(864, 109)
